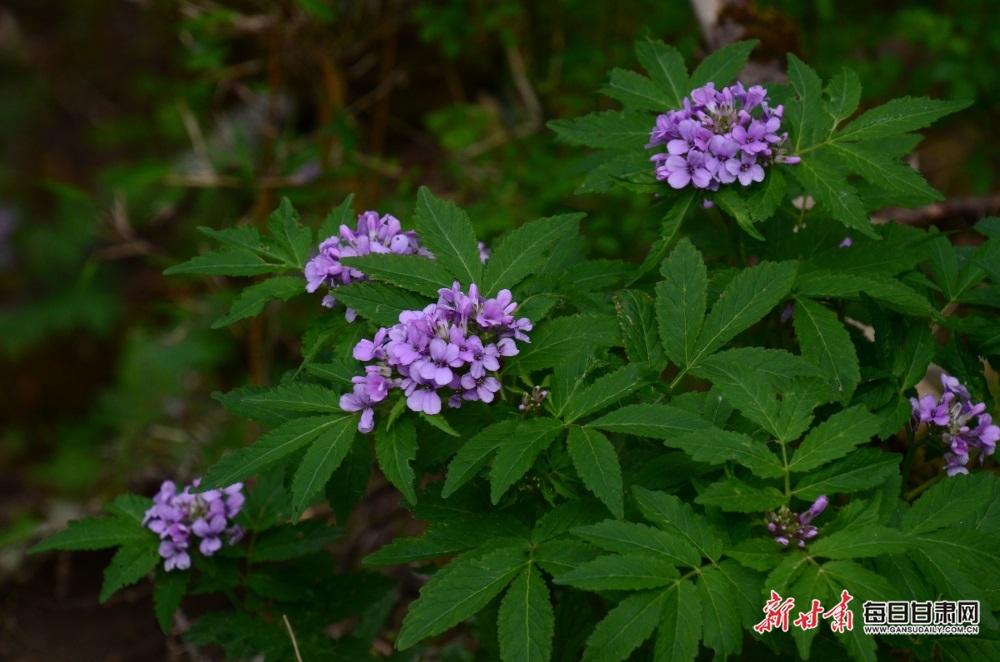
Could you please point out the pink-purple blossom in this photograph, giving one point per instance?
(451, 350)
(372, 235)
(950, 419)
(176, 516)
(719, 137)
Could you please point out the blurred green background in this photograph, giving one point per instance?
(127, 124)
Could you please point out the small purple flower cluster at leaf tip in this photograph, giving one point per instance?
(372, 235)
(951, 417)
(786, 526)
(451, 348)
(175, 517)
(716, 138)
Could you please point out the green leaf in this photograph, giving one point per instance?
(605, 391)
(526, 621)
(764, 198)
(889, 291)
(560, 556)
(521, 252)
(898, 116)
(227, 262)
(734, 204)
(859, 581)
(271, 448)
(805, 115)
(864, 468)
(293, 540)
(869, 160)
(666, 67)
(349, 482)
(637, 322)
(476, 452)
(252, 300)
(621, 573)
(95, 533)
(723, 65)
(680, 624)
(733, 495)
(835, 437)
(747, 298)
(747, 389)
(294, 240)
(650, 420)
(823, 178)
(860, 542)
(295, 397)
(338, 372)
(343, 214)
(948, 502)
(596, 462)
(395, 449)
(320, 461)
(634, 91)
(625, 627)
(449, 537)
(554, 340)
(517, 453)
(827, 345)
(844, 94)
(719, 446)
(611, 129)
(411, 272)
(129, 508)
(680, 301)
(677, 517)
(720, 613)
(757, 553)
(246, 236)
(129, 564)
(447, 232)
(629, 538)
(458, 591)
(167, 595)
(378, 302)
(670, 224)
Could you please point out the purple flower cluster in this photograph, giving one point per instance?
(373, 235)
(715, 139)
(452, 347)
(951, 417)
(175, 516)
(786, 526)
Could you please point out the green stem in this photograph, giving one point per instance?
(920, 489)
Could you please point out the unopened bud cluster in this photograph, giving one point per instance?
(719, 137)
(786, 526)
(451, 348)
(950, 417)
(175, 517)
(533, 401)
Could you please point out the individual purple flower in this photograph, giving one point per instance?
(360, 400)
(950, 420)
(786, 526)
(719, 137)
(175, 517)
(484, 253)
(846, 243)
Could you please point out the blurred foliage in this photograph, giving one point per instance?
(129, 124)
